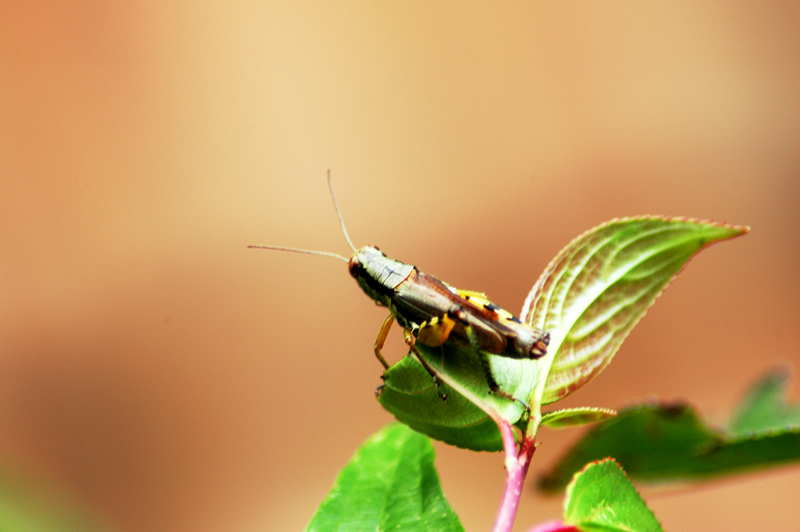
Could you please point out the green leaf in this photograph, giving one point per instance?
(390, 484)
(650, 441)
(461, 419)
(409, 395)
(764, 408)
(669, 442)
(601, 498)
(599, 287)
(571, 417)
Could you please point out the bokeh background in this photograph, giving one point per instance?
(162, 377)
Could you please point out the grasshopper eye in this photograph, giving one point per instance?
(353, 266)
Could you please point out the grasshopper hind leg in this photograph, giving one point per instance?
(493, 386)
(487, 371)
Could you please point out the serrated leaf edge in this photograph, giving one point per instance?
(536, 292)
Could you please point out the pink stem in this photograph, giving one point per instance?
(516, 471)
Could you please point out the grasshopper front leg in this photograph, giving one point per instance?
(430, 330)
(380, 341)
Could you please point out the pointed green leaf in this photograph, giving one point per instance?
(571, 417)
(596, 290)
(764, 408)
(390, 484)
(650, 441)
(601, 498)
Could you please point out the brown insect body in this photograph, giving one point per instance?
(419, 298)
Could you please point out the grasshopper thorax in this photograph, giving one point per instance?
(377, 274)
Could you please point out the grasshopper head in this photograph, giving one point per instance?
(360, 261)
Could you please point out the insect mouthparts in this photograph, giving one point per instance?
(353, 266)
(539, 349)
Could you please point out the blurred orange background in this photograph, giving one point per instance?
(171, 379)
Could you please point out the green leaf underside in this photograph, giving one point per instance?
(596, 290)
(661, 442)
(389, 484)
(601, 498)
(571, 417)
(764, 408)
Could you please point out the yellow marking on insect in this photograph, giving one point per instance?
(436, 331)
(481, 300)
(471, 294)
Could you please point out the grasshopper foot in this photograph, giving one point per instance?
(501, 393)
(439, 391)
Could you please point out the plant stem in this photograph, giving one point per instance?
(516, 470)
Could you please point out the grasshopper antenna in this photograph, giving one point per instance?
(299, 250)
(314, 252)
(339, 213)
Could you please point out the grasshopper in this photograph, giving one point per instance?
(432, 312)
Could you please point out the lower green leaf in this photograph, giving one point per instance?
(661, 442)
(389, 484)
(650, 441)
